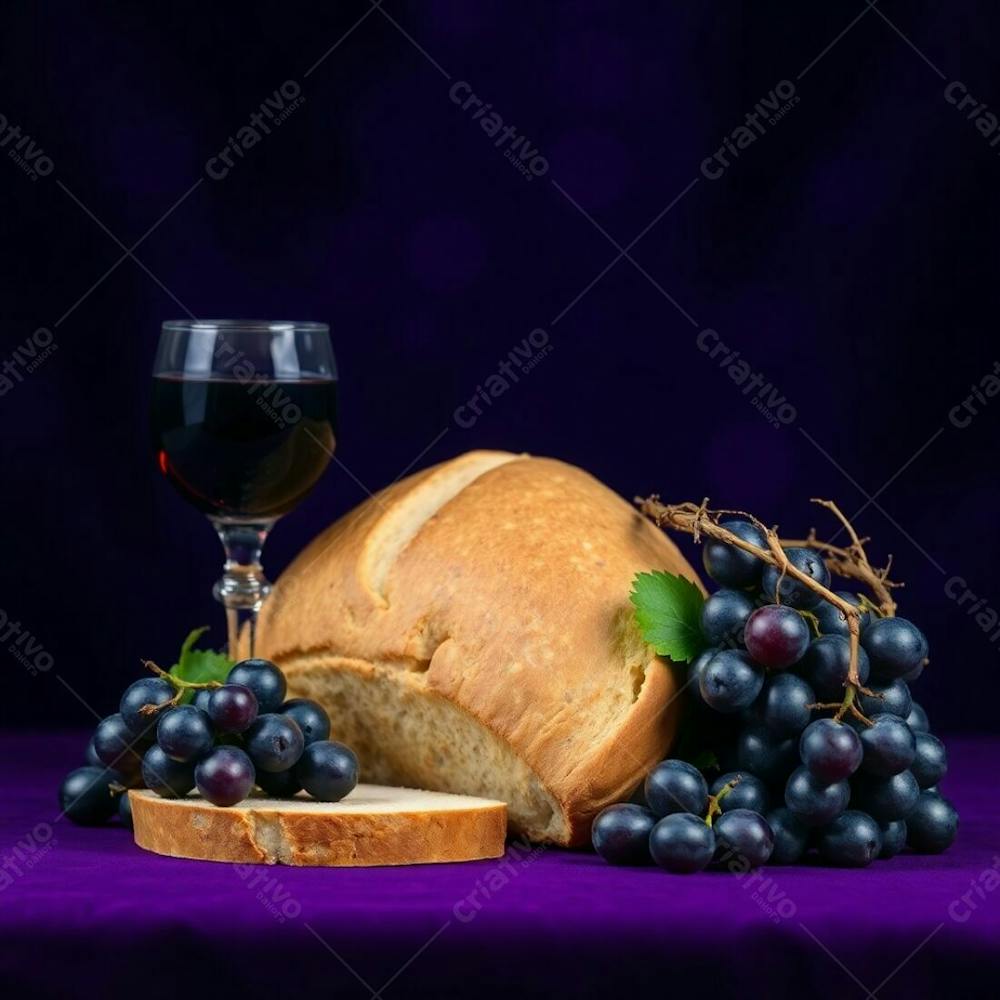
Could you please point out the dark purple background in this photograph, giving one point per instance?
(849, 254)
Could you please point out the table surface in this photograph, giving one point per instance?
(85, 909)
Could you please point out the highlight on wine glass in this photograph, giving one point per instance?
(244, 424)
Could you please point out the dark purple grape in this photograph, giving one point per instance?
(620, 834)
(311, 717)
(895, 699)
(730, 566)
(930, 760)
(917, 719)
(791, 838)
(831, 750)
(695, 670)
(886, 799)
(232, 708)
(114, 744)
(327, 770)
(769, 757)
(676, 786)
(832, 621)
(743, 838)
(825, 666)
(723, 616)
(731, 681)
(224, 776)
(888, 744)
(90, 757)
(791, 591)
(682, 843)
(776, 636)
(893, 838)
(895, 647)
(131, 775)
(279, 784)
(813, 802)
(202, 697)
(638, 797)
(125, 811)
(264, 678)
(784, 704)
(852, 840)
(932, 824)
(184, 733)
(146, 691)
(170, 779)
(749, 793)
(85, 795)
(274, 742)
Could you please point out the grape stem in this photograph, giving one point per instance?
(852, 562)
(180, 686)
(813, 621)
(714, 809)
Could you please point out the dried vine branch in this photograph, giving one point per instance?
(852, 562)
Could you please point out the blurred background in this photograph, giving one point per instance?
(812, 186)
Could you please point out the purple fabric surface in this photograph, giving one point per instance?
(86, 910)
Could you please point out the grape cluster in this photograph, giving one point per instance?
(685, 825)
(227, 739)
(853, 788)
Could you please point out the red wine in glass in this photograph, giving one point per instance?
(243, 421)
(243, 453)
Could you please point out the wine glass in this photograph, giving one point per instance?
(243, 424)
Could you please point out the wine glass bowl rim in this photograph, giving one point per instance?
(260, 326)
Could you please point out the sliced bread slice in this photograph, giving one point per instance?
(374, 825)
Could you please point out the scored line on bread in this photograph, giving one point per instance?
(400, 524)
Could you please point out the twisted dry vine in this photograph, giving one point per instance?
(850, 562)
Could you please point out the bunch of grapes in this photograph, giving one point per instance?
(229, 738)
(856, 785)
(685, 826)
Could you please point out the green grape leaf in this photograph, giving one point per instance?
(668, 613)
(188, 645)
(200, 665)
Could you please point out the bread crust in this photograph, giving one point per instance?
(506, 591)
(270, 831)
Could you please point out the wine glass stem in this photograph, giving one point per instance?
(243, 586)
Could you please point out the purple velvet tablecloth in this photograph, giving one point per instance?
(86, 911)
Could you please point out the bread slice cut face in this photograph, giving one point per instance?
(372, 826)
(469, 630)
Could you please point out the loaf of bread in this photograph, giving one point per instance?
(469, 630)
